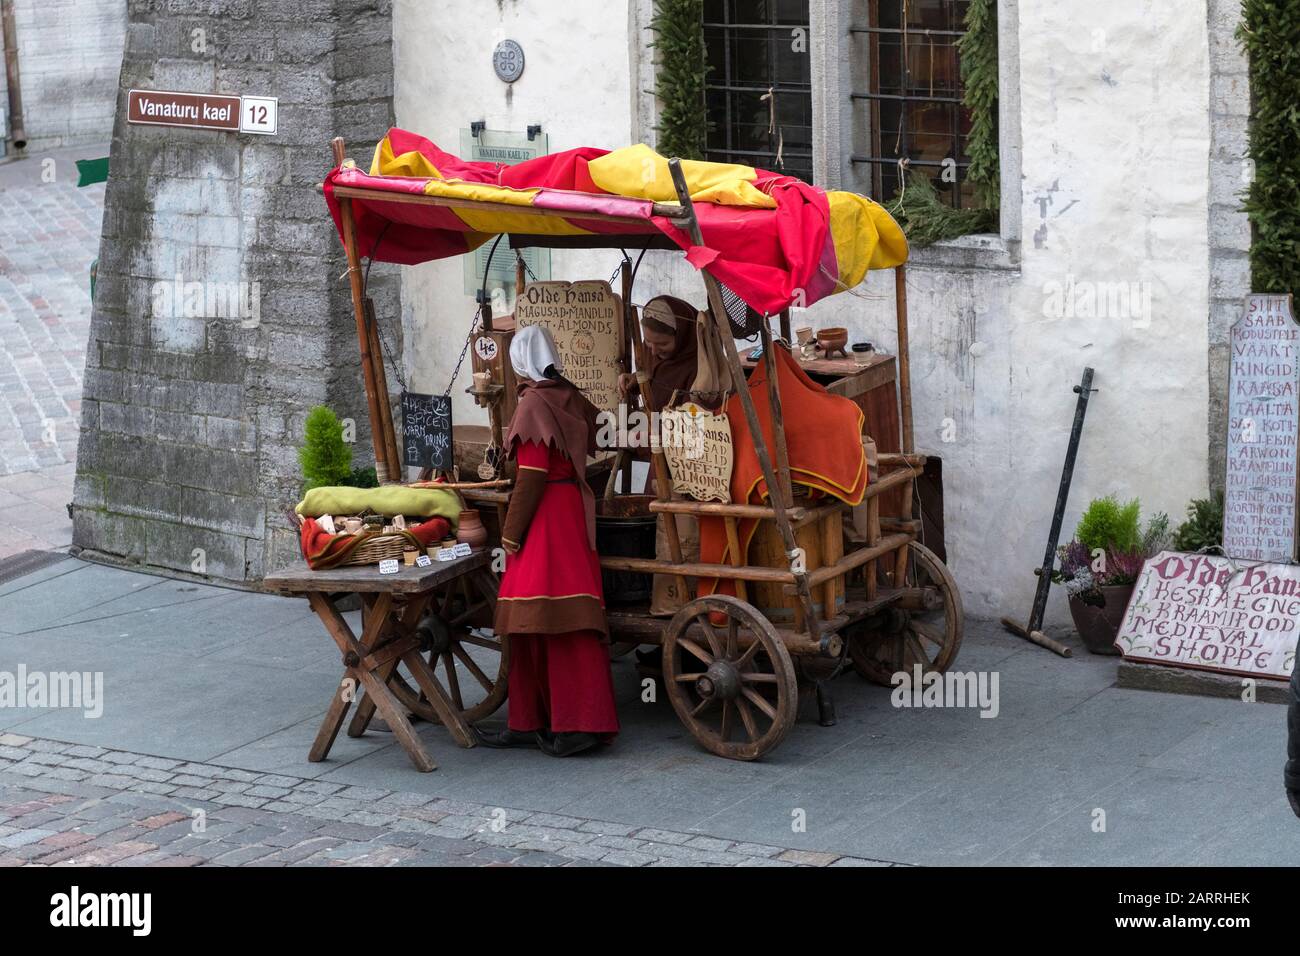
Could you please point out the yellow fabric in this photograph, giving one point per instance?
(414, 163)
(387, 500)
(865, 235)
(640, 172)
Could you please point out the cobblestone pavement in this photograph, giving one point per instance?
(49, 235)
(70, 805)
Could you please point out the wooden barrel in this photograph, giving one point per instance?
(822, 542)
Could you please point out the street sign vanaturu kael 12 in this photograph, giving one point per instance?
(241, 114)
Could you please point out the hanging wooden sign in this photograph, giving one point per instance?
(426, 430)
(697, 445)
(586, 320)
(1210, 612)
(1259, 517)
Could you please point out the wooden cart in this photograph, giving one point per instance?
(887, 605)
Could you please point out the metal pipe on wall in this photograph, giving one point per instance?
(17, 133)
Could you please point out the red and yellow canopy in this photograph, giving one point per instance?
(772, 239)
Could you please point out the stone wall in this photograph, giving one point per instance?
(194, 404)
(1229, 229)
(69, 54)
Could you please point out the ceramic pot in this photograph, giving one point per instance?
(1099, 625)
(833, 340)
(470, 530)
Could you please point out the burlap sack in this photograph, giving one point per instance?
(667, 596)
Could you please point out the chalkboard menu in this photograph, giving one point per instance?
(426, 427)
(1259, 520)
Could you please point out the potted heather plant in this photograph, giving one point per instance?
(1100, 567)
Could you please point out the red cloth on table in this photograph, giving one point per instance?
(324, 550)
(561, 683)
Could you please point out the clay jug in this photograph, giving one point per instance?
(471, 530)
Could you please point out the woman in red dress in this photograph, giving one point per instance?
(551, 605)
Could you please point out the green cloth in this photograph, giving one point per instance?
(386, 500)
(91, 171)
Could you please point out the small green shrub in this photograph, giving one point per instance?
(1111, 526)
(324, 457)
(1203, 529)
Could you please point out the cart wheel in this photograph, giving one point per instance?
(733, 680)
(470, 663)
(929, 638)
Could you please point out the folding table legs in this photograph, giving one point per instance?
(368, 662)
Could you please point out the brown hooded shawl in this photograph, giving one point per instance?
(677, 372)
(554, 412)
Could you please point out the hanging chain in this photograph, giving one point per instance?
(469, 337)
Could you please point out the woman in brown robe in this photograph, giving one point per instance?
(668, 331)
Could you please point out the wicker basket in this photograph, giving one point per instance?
(380, 547)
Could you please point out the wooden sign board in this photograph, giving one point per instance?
(586, 320)
(1259, 516)
(1213, 613)
(697, 445)
(426, 430)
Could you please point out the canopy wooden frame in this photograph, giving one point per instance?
(890, 540)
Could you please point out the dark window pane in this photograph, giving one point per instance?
(757, 46)
(913, 104)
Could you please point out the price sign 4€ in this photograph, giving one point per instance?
(259, 114)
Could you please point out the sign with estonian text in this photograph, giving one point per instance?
(241, 114)
(586, 321)
(1259, 514)
(1213, 613)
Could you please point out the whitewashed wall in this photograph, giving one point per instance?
(1112, 123)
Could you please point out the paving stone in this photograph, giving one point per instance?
(628, 858)
(158, 763)
(809, 857)
(118, 757)
(242, 855)
(661, 836)
(858, 861)
(24, 837)
(82, 750)
(14, 740)
(263, 790)
(708, 843)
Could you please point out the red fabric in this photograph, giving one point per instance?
(561, 683)
(555, 559)
(324, 550)
(771, 258)
(823, 435)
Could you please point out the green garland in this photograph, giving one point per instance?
(679, 37)
(1270, 35)
(919, 209)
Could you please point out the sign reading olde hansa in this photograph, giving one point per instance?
(1213, 613)
(586, 321)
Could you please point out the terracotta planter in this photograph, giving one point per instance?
(1099, 625)
(470, 530)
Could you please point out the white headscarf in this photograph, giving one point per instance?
(532, 350)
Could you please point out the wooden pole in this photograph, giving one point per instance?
(776, 484)
(904, 368)
(629, 322)
(778, 419)
(785, 326)
(382, 470)
(381, 385)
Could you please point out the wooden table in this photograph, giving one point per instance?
(393, 605)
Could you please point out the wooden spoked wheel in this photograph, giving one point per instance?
(469, 661)
(733, 685)
(901, 639)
